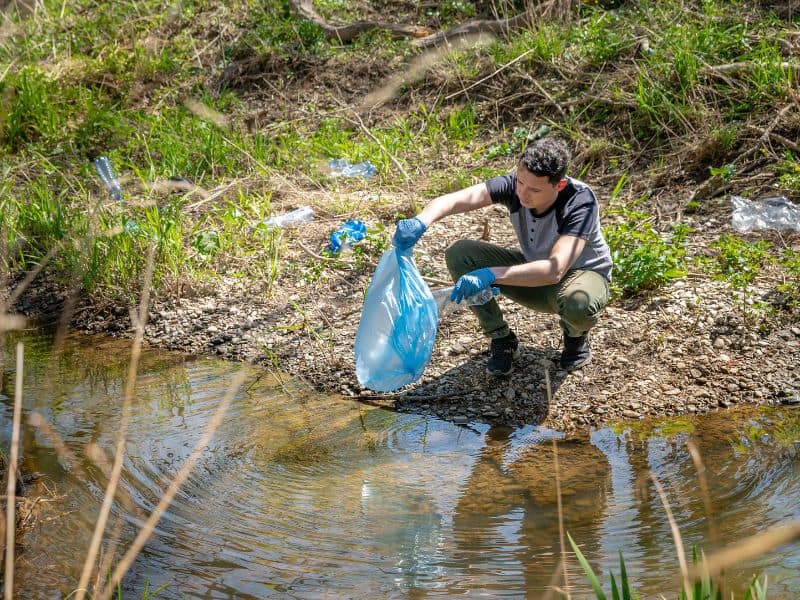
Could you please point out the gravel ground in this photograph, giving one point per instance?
(689, 348)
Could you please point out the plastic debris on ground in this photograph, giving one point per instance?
(348, 233)
(106, 173)
(339, 167)
(774, 212)
(397, 330)
(298, 215)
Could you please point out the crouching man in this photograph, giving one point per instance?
(563, 265)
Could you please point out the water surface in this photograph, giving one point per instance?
(303, 496)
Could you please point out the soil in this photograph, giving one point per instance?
(691, 347)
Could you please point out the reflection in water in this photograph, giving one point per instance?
(308, 497)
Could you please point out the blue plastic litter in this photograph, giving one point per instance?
(398, 325)
(343, 168)
(347, 234)
(106, 173)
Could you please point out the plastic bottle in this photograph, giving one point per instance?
(106, 173)
(340, 167)
(347, 234)
(298, 215)
(446, 306)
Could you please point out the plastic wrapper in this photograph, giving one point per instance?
(398, 324)
(775, 212)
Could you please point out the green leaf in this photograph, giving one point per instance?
(587, 569)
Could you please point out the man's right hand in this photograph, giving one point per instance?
(408, 233)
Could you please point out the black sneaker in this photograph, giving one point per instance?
(503, 350)
(577, 352)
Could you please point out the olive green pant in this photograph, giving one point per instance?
(578, 298)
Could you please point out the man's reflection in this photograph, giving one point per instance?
(510, 502)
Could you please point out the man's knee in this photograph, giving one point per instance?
(580, 308)
(459, 257)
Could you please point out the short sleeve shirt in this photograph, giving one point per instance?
(575, 212)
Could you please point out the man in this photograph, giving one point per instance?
(564, 265)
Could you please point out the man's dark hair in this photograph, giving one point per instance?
(547, 157)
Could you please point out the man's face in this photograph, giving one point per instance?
(536, 193)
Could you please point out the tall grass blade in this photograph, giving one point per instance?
(560, 517)
(11, 486)
(116, 472)
(593, 581)
(750, 548)
(148, 528)
(623, 576)
(676, 536)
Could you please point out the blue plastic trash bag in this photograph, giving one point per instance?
(347, 234)
(398, 325)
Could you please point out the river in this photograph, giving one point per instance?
(307, 496)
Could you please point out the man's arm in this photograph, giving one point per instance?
(471, 198)
(543, 272)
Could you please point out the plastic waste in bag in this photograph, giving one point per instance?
(775, 212)
(445, 306)
(397, 330)
(298, 215)
(341, 168)
(106, 173)
(347, 234)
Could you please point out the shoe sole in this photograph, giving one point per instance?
(577, 366)
(504, 373)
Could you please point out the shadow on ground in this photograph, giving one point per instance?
(466, 393)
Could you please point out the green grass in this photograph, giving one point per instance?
(84, 82)
(705, 588)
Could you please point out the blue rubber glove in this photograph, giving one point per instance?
(471, 283)
(408, 233)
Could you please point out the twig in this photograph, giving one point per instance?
(764, 136)
(738, 67)
(391, 156)
(407, 396)
(11, 486)
(498, 70)
(746, 550)
(116, 471)
(676, 536)
(147, 529)
(560, 513)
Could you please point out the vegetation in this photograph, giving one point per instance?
(703, 589)
(168, 93)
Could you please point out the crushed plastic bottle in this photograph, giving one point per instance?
(774, 212)
(341, 168)
(106, 173)
(348, 233)
(298, 215)
(446, 306)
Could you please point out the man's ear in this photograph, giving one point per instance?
(562, 184)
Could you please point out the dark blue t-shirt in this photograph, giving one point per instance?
(575, 212)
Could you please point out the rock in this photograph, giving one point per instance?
(719, 343)
(631, 414)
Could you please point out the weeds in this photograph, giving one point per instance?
(739, 262)
(643, 259)
(703, 589)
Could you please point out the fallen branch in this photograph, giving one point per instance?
(347, 33)
(498, 26)
(738, 68)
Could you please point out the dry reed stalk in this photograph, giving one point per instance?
(116, 472)
(29, 277)
(701, 475)
(147, 529)
(552, 588)
(11, 486)
(676, 536)
(750, 548)
(560, 517)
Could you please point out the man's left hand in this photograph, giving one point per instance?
(471, 283)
